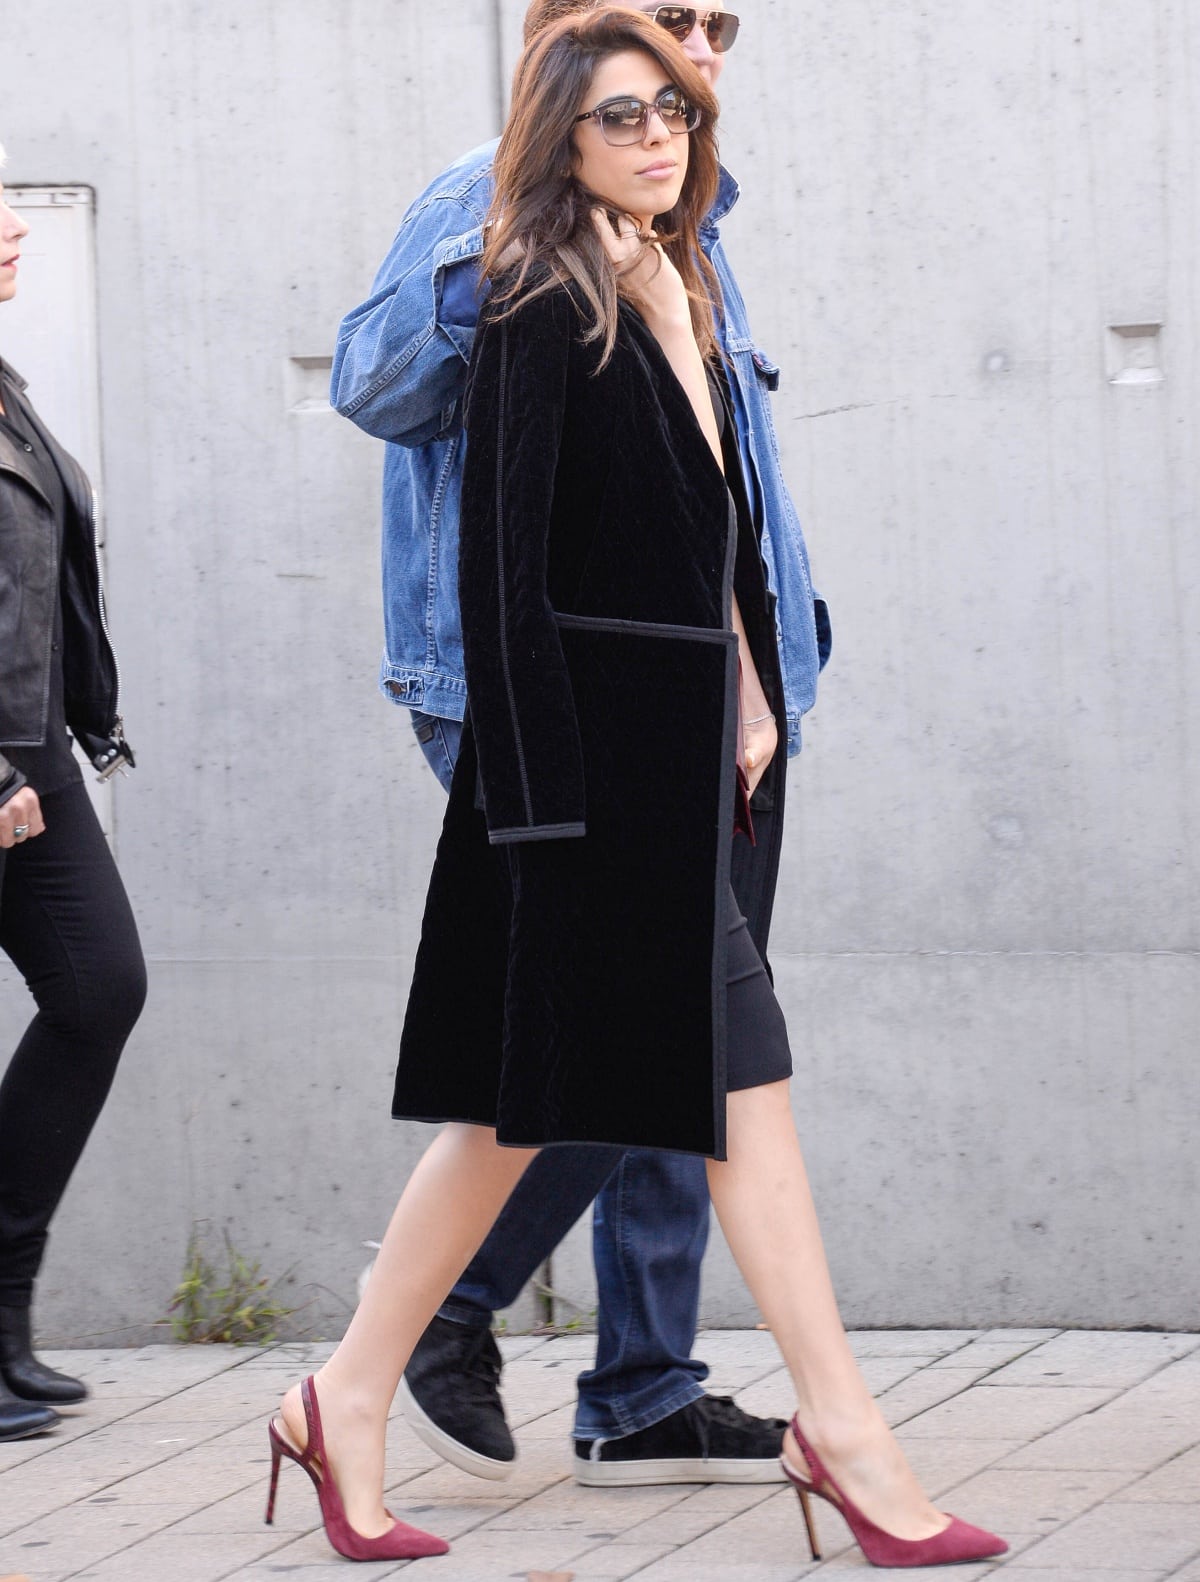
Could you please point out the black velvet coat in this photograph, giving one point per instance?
(569, 984)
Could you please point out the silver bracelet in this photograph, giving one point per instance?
(759, 718)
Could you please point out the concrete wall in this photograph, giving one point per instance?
(987, 935)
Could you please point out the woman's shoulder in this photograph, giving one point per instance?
(537, 298)
(528, 340)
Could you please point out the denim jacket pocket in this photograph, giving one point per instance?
(768, 371)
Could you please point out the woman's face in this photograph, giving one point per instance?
(643, 178)
(12, 229)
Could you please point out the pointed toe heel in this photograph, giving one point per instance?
(954, 1545)
(400, 1542)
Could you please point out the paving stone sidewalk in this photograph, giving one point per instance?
(1082, 1448)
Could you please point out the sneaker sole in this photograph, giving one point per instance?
(451, 1450)
(633, 1474)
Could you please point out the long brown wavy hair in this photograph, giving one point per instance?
(540, 231)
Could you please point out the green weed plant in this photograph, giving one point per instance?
(234, 1306)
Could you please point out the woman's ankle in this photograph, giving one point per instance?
(343, 1397)
(840, 1430)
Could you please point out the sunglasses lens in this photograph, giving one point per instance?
(679, 20)
(623, 122)
(674, 109)
(721, 28)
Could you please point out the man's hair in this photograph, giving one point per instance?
(542, 13)
(541, 234)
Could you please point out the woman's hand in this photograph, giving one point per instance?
(20, 818)
(649, 278)
(653, 284)
(760, 741)
(760, 736)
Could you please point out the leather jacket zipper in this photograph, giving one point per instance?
(94, 513)
(119, 756)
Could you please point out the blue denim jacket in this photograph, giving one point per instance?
(399, 372)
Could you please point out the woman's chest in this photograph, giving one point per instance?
(640, 523)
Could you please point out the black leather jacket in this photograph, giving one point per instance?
(30, 579)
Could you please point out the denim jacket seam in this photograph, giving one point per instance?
(397, 366)
(402, 670)
(435, 545)
(462, 194)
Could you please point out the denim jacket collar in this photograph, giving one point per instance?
(728, 192)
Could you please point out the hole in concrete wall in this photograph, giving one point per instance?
(306, 384)
(1134, 354)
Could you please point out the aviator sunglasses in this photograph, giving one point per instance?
(720, 27)
(624, 121)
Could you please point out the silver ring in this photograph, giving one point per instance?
(20, 831)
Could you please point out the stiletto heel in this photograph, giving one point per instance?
(276, 1456)
(802, 1496)
(954, 1545)
(400, 1542)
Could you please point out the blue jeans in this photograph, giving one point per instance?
(649, 1232)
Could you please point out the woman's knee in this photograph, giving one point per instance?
(98, 1001)
(115, 1007)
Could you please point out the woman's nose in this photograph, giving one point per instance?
(12, 226)
(657, 131)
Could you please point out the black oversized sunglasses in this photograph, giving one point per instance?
(624, 121)
(720, 27)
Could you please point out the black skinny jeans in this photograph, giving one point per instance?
(66, 924)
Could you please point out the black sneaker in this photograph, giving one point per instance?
(451, 1398)
(708, 1441)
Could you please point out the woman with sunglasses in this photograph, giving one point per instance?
(642, 1412)
(612, 597)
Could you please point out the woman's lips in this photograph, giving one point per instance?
(660, 171)
(10, 263)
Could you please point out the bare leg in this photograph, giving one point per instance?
(762, 1198)
(446, 1210)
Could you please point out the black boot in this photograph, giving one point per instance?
(19, 1419)
(26, 1377)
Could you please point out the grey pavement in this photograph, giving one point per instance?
(1082, 1448)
